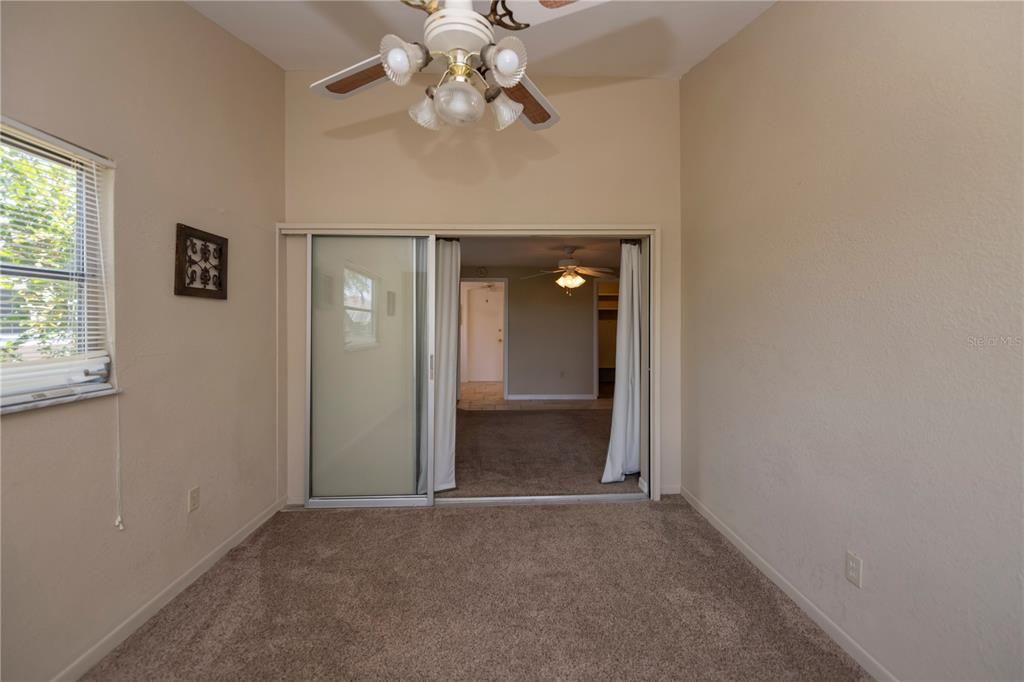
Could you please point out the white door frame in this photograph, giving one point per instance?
(504, 326)
(650, 232)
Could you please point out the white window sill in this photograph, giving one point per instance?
(64, 400)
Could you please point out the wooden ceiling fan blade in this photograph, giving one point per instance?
(538, 112)
(599, 269)
(353, 80)
(542, 273)
(592, 273)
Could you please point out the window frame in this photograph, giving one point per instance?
(24, 138)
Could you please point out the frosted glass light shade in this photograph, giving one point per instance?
(570, 280)
(423, 113)
(459, 103)
(506, 111)
(400, 59)
(507, 60)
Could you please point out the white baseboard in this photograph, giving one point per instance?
(671, 489)
(542, 396)
(97, 651)
(831, 628)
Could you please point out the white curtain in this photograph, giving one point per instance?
(446, 362)
(624, 444)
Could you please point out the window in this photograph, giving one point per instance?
(53, 300)
(359, 299)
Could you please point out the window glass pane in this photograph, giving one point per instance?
(359, 327)
(358, 290)
(39, 208)
(37, 318)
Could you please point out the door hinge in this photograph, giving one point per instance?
(431, 367)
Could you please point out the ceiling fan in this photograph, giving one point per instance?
(570, 272)
(477, 71)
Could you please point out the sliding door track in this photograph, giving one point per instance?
(539, 499)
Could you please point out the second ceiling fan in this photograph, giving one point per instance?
(477, 70)
(570, 271)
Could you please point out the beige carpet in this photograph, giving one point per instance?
(629, 591)
(557, 452)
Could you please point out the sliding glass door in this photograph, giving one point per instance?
(370, 349)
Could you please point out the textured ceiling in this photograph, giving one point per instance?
(539, 252)
(616, 38)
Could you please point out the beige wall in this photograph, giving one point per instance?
(612, 160)
(550, 336)
(194, 120)
(852, 211)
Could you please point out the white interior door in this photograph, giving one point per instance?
(485, 335)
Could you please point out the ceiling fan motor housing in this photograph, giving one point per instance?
(457, 26)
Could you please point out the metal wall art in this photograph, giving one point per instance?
(200, 264)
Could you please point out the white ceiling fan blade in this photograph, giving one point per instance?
(538, 112)
(353, 80)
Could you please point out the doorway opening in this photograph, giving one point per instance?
(538, 321)
(359, 302)
(482, 321)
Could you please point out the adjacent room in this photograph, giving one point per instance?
(537, 331)
(561, 339)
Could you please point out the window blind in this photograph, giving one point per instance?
(54, 339)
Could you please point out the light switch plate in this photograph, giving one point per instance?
(193, 499)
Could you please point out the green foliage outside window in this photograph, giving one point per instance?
(39, 230)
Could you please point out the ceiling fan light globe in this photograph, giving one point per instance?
(458, 103)
(506, 111)
(507, 60)
(400, 59)
(570, 280)
(506, 63)
(424, 114)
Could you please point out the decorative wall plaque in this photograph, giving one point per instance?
(200, 264)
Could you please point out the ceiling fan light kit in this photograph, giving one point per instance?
(423, 112)
(505, 111)
(458, 103)
(401, 59)
(478, 72)
(507, 61)
(570, 272)
(570, 280)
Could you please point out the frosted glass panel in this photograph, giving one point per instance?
(364, 366)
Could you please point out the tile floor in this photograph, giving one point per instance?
(488, 395)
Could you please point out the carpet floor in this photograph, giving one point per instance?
(554, 452)
(628, 591)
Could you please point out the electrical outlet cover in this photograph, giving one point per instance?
(854, 568)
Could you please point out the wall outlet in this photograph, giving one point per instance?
(854, 568)
(193, 499)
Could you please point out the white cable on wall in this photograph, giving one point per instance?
(118, 499)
